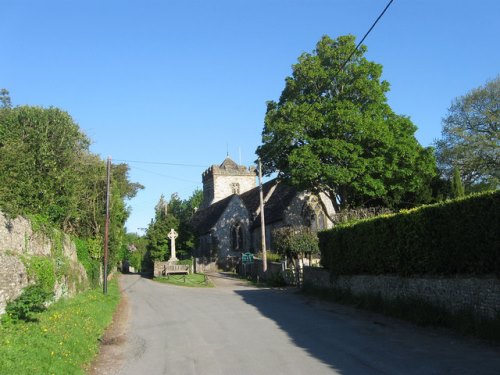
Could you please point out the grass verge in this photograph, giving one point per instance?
(415, 310)
(197, 280)
(63, 340)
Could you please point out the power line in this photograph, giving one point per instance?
(368, 32)
(166, 176)
(162, 163)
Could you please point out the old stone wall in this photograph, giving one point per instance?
(235, 213)
(482, 295)
(18, 242)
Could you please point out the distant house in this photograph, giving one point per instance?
(228, 222)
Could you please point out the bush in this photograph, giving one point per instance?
(294, 242)
(454, 237)
(85, 252)
(31, 301)
(41, 269)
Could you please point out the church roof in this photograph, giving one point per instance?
(205, 219)
(275, 205)
(274, 209)
(228, 163)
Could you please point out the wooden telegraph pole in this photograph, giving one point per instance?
(262, 221)
(106, 228)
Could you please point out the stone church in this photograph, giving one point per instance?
(228, 221)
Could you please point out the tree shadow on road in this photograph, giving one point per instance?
(357, 342)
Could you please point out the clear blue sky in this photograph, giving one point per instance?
(183, 81)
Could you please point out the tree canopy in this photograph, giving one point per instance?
(176, 214)
(49, 171)
(333, 131)
(471, 138)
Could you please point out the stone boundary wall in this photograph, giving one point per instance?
(255, 269)
(458, 293)
(17, 240)
(204, 265)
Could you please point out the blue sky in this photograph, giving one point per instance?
(183, 81)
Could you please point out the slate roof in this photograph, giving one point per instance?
(274, 209)
(275, 206)
(228, 163)
(205, 219)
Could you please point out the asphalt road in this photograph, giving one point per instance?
(238, 329)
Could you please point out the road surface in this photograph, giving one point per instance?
(239, 329)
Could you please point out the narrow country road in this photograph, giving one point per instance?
(239, 329)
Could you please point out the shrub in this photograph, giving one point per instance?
(41, 270)
(31, 301)
(294, 242)
(85, 252)
(455, 237)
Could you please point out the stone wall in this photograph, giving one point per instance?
(18, 241)
(482, 295)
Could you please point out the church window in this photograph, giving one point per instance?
(313, 215)
(235, 188)
(237, 237)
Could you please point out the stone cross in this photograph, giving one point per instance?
(172, 235)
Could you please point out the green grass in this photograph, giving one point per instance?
(65, 338)
(191, 280)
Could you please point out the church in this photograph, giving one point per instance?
(228, 221)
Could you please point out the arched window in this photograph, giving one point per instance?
(235, 188)
(237, 237)
(313, 214)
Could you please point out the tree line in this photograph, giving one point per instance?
(48, 172)
(333, 131)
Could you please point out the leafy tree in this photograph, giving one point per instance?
(333, 131)
(48, 170)
(295, 242)
(457, 187)
(40, 151)
(471, 138)
(5, 101)
(157, 232)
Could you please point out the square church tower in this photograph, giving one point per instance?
(221, 181)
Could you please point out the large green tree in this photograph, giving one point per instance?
(471, 138)
(48, 170)
(157, 232)
(333, 131)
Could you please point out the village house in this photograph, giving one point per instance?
(228, 221)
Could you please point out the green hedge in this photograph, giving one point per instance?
(454, 237)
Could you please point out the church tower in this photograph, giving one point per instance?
(221, 181)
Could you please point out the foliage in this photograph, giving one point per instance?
(294, 242)
(270, 256)
(457, 186)
(85, 248)
(174, 214)
(471, 138)
(134, 250)
(41, 270)
(5, 101)
(49, 174)
(198, 280)
(333, 131)
(157, 232)
(31, 301)
(65, 338)
(455, 237)
(184, 210)
(352, 215)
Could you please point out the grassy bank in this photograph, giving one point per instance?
(193, 280)
(414, 310)
(64, 339)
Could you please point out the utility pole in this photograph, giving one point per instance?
(262, 221)
(106, 228)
